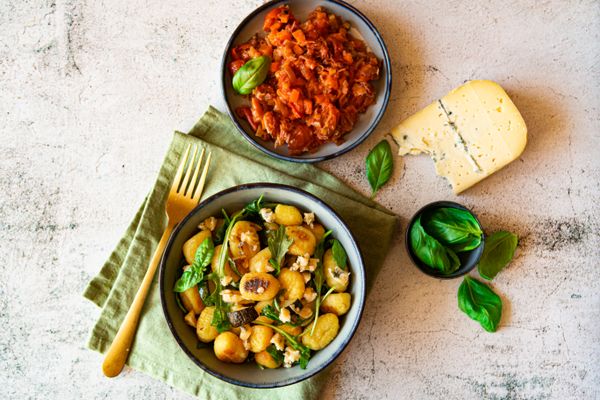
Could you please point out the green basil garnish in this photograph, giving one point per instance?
(279, 243)
(453, 227)
(429, 250)
(499, 250)
(480, 303)
(339, 254)
(379, 166)
(195, 273)
(251, 74)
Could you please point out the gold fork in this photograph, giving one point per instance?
(182, 199)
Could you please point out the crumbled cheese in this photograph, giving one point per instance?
(231, 296)
(306, 276)
(245, 332)
(267, 214)
(226, 280)
(301, 263)
(209, 224)
(278, 340)
(260, 290)
(248, 238)
(342, 275)
(310, 295)
(309, 219)
(284, 315)
(290, 357)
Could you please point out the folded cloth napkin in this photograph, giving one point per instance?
(234, 162)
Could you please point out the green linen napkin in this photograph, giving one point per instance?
(234, 162)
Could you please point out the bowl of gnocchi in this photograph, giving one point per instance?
(262, 285)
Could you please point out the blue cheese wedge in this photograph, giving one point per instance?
(470, 133)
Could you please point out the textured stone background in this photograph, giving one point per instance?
(91, 91)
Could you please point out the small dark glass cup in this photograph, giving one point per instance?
(468, 259)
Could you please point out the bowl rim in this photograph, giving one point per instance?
(425, 268)
(161, 279)
(360, 139)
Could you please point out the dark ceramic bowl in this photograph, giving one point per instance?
(248, 374)
(468, 259)
(361, 27)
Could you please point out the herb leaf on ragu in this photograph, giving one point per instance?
(498, 252)
(379, 166)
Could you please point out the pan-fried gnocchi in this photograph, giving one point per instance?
(263, 284)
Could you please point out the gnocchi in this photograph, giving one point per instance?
(325, 331)
(264, 297)
(304, 241)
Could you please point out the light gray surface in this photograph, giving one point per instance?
(91, 90)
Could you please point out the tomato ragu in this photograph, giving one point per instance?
(319, 80)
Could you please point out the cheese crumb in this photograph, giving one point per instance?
(231, 296)
(309, 219)
(310, 295)
(267, 214)
(290, 357)
(226, 280)
(260, 290)
(306, 276)
(342, 275)
(301, 263)
(245, 333)
(284, 315)
(278, 340)
(209, 224)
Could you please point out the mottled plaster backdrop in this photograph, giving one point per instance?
(91, 91)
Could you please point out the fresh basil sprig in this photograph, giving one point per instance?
(499, 250)
(379, 166)
(429, 250)
(453, 227)
(195, 273)
(480, 303)
(279, 243)
(339, 254)
(251, 74)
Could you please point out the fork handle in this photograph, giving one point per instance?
(119, 349)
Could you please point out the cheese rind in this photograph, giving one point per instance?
(470, 133)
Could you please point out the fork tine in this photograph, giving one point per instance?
(177, 178)
(200, 187)
(188, 171)
(190, 189)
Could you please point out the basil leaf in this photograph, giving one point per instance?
(480, 303)
(379, 166)
(499, 250)
(453, 227)
(339, 254)
(251, 74)
(430, 251)
(276, 354)
(279, 243)
(195, 273)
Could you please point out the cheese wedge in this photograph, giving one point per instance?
(470, 133)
